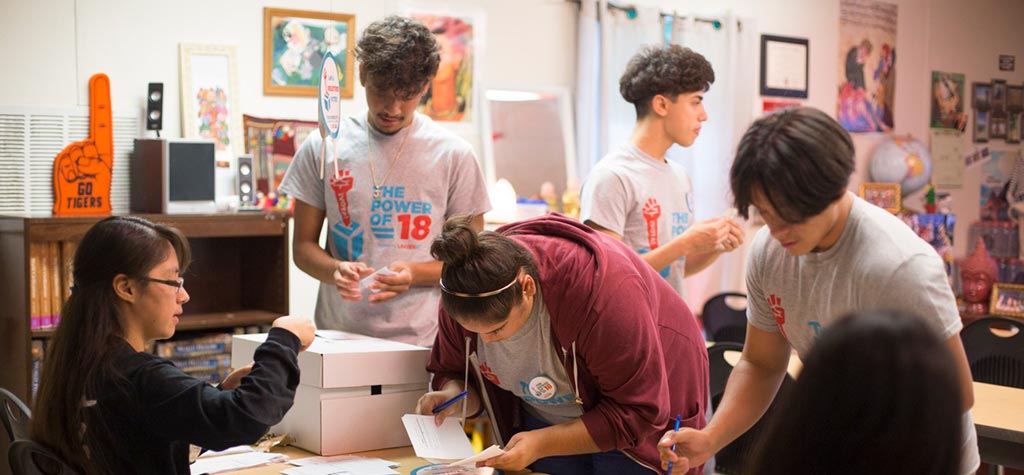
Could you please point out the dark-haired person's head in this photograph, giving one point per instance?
(488, 281)
(398, 57)
(878, 394)
(669, 82)
(793, 166)
(126, 286)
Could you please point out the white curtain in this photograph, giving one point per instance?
(732, 52)
(607, 39)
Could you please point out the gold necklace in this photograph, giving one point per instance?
(378, 187)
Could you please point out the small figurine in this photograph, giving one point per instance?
(977, 273)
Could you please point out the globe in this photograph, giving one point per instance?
(903, 160)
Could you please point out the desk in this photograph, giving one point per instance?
(999, 419)
(402, 455)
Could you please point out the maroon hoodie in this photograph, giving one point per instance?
(630, 345)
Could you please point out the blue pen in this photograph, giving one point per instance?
(679, 417)
(451, 401)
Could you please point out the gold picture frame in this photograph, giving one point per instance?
(294, 44)
(1007, 299)
(884, 195)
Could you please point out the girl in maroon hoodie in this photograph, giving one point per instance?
(583, 354)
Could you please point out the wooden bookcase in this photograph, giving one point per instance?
(238, 277)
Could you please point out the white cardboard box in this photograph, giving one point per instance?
(353, 391)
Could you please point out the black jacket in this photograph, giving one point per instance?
(149, 411)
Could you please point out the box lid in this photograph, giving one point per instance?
(339, 359)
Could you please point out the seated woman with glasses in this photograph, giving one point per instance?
(105, 405)
(588, 354)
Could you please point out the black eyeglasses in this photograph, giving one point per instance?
(177, 283)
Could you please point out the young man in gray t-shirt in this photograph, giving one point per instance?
(400, 176)
(824, 253)
(637, 196)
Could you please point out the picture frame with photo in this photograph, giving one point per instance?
(981, 96)
(209, 97)
(1015, 112)
(981, 123)
(884, 195)
(997, 126)
(1007, 299)
(294, 45)
(998, 96)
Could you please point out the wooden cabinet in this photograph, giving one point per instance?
(238, 277)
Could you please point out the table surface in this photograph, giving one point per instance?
(999, 412)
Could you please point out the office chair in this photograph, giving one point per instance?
(28, 457)
(15, 414)
(722, 322)
(995, 350)
(733, 458)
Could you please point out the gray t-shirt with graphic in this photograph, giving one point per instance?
(645, 200)
(528, 365)
(432, 177)
(878, 263)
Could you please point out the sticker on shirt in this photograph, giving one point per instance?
(393, 216)
(346, 235)
(542, 391)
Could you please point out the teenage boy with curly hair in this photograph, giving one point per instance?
(400, 176)
(634, 194)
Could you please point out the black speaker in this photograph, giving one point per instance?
(245, 186)
(155, 106)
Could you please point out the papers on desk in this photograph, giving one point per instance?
(487, 454)
(238, 449)
(341, 464)
(447, 442)
(234, 462)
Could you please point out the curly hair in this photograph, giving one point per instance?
(666, 70)
(399, 54)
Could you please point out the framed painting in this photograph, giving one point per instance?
(1007, 299)
(884, 195)
(209, 97)
(294, 44)
(453, 93)
(272, 144)
(784, 66)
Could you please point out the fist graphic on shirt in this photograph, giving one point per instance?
(652, 210)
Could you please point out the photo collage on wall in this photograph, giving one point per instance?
(998, 110)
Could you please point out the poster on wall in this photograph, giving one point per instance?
(451, 96)
(995, 176)
(867, 63)
(948, 101)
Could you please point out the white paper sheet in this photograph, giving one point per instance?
(447, 442)
(238, 449)
(234, 462)
(488, 453)
(348, 466)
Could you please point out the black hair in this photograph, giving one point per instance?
(478, 263)
(879, 394)
(666, 70)
(78, 356)
(798, 159)
(398, 54)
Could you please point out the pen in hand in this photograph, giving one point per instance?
(451, 401)
(678, 418)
